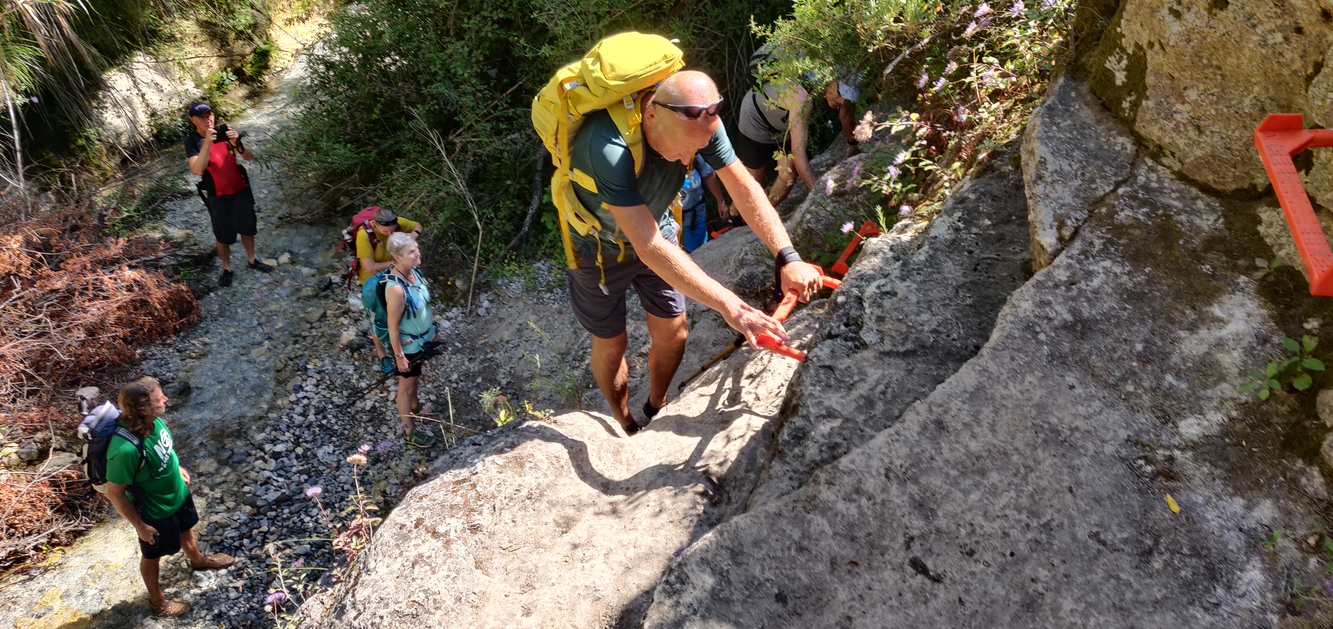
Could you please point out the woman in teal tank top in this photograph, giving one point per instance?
(411, 326)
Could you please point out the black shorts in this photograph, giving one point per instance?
(169, 531)
(603, 315)
(413, 365)
(755, 154)
(232, 215)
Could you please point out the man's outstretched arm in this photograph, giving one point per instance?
(677, 268)
(749, 198)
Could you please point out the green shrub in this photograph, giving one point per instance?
(467, 70)
(962, 78)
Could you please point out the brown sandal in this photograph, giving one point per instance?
(170, 608)
(216, 561)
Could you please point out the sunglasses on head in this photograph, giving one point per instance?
(692, 112)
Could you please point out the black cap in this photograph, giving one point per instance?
(199, 110)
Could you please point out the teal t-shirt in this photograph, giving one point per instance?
(159, 480)
(601, 152)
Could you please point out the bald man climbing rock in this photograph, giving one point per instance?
(680, 120)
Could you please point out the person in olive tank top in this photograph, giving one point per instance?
(149, 488)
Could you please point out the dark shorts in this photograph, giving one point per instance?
(604, 315)
(169, 531)
(413, 365)
(232, 215)
(755, 154)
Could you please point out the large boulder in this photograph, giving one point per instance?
(914, 308)
(567, 523)
(1030, 488)
(1194, 79)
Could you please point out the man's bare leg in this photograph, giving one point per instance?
(249, 243)
(224, 254)
(664, 355)
(612, 375)
(191, 548)
(151, 570)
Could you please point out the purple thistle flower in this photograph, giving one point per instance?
(274, 598)
(894, 172)
(383, 447)
(33, 99)
(313, 491)
(905, 211)
(921, 83)
(900, 158)
(953, 65)
(982, 10)
(939, 85)
(828, 186)
(1017, 9)
(987, 77)
(971, 28)
(848, 227)
(365, 447)
(1047, 5)
(961, 114)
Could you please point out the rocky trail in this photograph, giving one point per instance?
(261, 410)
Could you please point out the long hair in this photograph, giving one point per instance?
(136, 410)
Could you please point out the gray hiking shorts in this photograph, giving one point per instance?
(604, 315)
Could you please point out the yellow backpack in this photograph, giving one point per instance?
(614, 76)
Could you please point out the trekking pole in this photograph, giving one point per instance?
(868, 229)
(765, 340)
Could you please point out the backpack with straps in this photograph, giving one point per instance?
(96, 431)
(360, 222)
(374, 301)
(614, 75)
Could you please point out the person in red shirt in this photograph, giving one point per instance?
(231, 206)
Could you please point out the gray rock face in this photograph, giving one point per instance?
(1074, 153)
(911, 312)
(1008, 498)
(1030, 488)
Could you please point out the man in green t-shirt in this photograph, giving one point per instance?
(150, 489)
(679, 121)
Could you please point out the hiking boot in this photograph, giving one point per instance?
(257, 265)
(225, 280)
(386, 365)
(420, 439)
(170, 608)
(214, 561)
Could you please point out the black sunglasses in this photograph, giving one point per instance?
(692, 112)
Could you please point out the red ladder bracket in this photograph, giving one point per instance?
(1279, 138)
(785, 307)
(867, 230)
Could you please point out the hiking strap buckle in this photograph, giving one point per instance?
(629, 101)
(605, 291)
